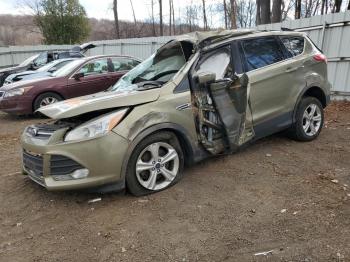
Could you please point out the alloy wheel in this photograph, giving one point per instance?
(157, 166)
(48, 101)
(312, 119)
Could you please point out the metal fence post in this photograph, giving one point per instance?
(323, 33)
(121, 48)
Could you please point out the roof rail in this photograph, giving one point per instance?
(286, 29)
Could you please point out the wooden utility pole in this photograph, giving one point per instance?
(116, 19)
(160, 18)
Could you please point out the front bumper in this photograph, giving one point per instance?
(17, 105)
(102, 157)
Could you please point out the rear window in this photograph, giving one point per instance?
(294, 44)
(260, 52)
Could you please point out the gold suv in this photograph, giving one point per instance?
(200, 95)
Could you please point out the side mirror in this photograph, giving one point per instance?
(205, 78)
(33, 66)
(52, 69)
(77, 76)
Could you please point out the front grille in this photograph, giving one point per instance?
(33, 164)
(61, 165)
(42, 131)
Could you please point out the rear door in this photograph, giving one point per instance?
(96, 78)
(271, 83)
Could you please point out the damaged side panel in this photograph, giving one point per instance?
(220, 102)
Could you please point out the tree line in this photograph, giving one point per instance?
(66, 22)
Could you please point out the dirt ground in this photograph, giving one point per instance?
(286, 198)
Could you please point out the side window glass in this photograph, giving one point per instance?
(218, 62)
(62, 64)
(95, 67)
(41, 60)
(260, 52)
(295, 45)
(123, 64)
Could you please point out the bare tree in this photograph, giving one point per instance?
(225, 14)
(133, 12)
(116, 19)
(160, 18)
(337, 6)
(170, 20)
(265, 13)
(286, 9)
(153, 23)
(245, 13)
(277, 11)
(205, 22)
(233, 14)
(324, 4)
(173, 14)
(258, 12)
(297, 9)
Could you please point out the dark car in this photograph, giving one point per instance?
(36, 61)
(43, 71)
(80, 77)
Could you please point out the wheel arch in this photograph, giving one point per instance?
(312, 91)
(191, 150)
(44, 92)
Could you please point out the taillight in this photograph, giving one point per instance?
(320, 58)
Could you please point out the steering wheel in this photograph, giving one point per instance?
(164, 74)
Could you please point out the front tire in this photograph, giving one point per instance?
(46, 99)
(308, 121)
(155, 164)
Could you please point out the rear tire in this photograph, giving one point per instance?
(309, 120)
(46, 99)
(155, 164)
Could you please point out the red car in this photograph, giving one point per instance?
(80, 77)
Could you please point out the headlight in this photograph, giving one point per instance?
(17, 91)
(96, 127)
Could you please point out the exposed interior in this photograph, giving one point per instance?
(219, 99)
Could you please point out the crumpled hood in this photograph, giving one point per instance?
(199, 38)
(103, 100)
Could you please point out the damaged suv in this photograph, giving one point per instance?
(200, 95)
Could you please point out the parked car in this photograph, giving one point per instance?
(80, 77)
(44, 71)
(201, 95)
(36, 61)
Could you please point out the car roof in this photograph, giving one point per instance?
(208, 39)
(88, 58)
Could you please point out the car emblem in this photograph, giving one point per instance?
(32, 131)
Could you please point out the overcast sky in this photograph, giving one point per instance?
(102, 8)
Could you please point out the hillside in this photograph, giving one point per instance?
(21, 30)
